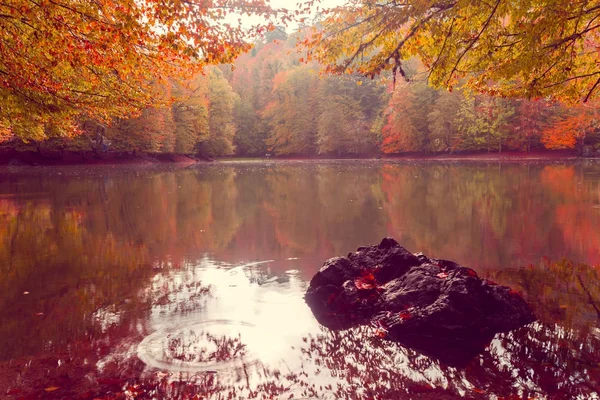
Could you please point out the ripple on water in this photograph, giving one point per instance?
(216, 346)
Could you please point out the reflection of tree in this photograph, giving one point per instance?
(560, 291)
(537, 361)
(56, 274)
(203, 347)
(575, 215)
(316, 214)
(83, 249)
(438, 208)
(242, 213)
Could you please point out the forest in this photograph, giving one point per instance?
(277, 94)
(131, 269)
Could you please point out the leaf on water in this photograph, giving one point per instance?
(380, 333)
(404, 315)
(51, 388)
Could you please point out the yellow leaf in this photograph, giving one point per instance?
(51, 388)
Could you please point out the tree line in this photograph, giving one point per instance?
(101, 70)
(273, 102)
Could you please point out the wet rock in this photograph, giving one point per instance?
(434, 306)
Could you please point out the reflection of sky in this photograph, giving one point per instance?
(290, 5)
(267, 313)
(269, 316)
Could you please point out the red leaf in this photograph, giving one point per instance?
(380, 332)
(404, 315)
(331, 298)
(472, 273)
(363, 284)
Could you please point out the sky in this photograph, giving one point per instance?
(291, 4)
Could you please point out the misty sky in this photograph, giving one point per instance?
(291, 4)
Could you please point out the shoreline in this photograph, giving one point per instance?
(30, 158)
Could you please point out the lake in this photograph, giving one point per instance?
(161, 282)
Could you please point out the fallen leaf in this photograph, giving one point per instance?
(404, 315)
(472, 273)
(331, 298)
(51, 388)
(442, 275)
(25, 292)
(39, 314)
(380, 333)
(361, 284)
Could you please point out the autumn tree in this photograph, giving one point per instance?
(191, 115)
(442, 119)
(146, 133)
(530, 48)
(250, 136)
(483, 122)
(399, 133)
(292, 113)
(62, 62)
(494, 117)
(220, 117)
(531, 118)
(572, 128)
(346, 113)
(253, 80)
(407, 126)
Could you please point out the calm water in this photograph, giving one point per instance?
(152, 283)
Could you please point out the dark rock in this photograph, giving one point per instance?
(434, 306)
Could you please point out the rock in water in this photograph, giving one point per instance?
(436, 307)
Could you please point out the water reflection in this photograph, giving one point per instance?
(171, 284)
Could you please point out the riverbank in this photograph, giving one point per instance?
(32, 158)
(472, 156)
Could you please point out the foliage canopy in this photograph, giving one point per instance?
(62, 61)
(525, 48)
